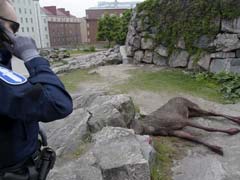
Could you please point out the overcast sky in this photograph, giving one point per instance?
(77, 7)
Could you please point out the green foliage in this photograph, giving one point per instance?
(188, 19)
(229, 84)
(161, 169)
(123, 28)
(113, 28)
(108, 28)
(90, 49)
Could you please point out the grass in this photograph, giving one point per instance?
(172, 81)
(167, 150)
(72, 79)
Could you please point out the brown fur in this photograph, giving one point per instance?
(171, 118)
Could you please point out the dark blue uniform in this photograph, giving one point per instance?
(41, 98)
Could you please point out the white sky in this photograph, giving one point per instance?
(77, 7)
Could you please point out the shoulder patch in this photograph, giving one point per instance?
(11, 77)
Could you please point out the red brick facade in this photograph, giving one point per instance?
(93, 16)
(64, 29)
(64, 34)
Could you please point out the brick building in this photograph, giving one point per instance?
(64, 28)
(94, 14)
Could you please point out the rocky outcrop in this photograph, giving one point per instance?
(221, 53)
(112, 56)
(93, 143)
(115, 154)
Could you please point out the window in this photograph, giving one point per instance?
(26, 20)
(20, 10)
(25, 10)
(21, 20)
(32, 29)
(30, 11)
(27, 29)
(31, 20)
(22, 29)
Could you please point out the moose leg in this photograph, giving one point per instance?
(198, 112)
(231, 131)
(188, 136)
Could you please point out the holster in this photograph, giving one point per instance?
(46, 162)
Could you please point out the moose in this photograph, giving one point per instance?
(171, 118)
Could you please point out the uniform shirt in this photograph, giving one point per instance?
(42, 98)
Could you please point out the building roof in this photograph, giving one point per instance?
(54, 11)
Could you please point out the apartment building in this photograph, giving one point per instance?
(95, 13)
(64, 28)
(32, 21)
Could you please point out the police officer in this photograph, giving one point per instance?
(25, 102)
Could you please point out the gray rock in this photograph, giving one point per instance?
(203, 42)
(136, 42)
(161, 50)
(130, 51)
(138, 57)
(226, 42)
(159, 60)
(204, 61)
(238, 53)
(179, 59)
(223, 55)
(147, 43)
(120, 156)
(61, 133)
(192, 64)
(123, 54)
(227, 65)
(115, 154)
(117, 111)
(181, 43)
(231, 26)
(148, 57)
(90, 61)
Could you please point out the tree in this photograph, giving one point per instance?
(123, 29)
(114, 28)
(108, 28)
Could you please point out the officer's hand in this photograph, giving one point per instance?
(22, 47)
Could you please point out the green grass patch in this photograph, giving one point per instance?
(172, 81)
(167, 149)
(72, 79)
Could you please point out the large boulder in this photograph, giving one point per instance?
(204, 61)
(227, 65)
(231, 26)
(93, 111)
(147, 43)
(179, 58)
(112, 56)
(138, 56)
(115, 154)
(161, 50)
(148, 57)
(159, 60)
(226, 42)
(117, 111)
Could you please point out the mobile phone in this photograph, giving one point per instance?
(3, 35)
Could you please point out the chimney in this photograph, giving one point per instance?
(52, 9)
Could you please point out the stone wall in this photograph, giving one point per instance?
(219, 54)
